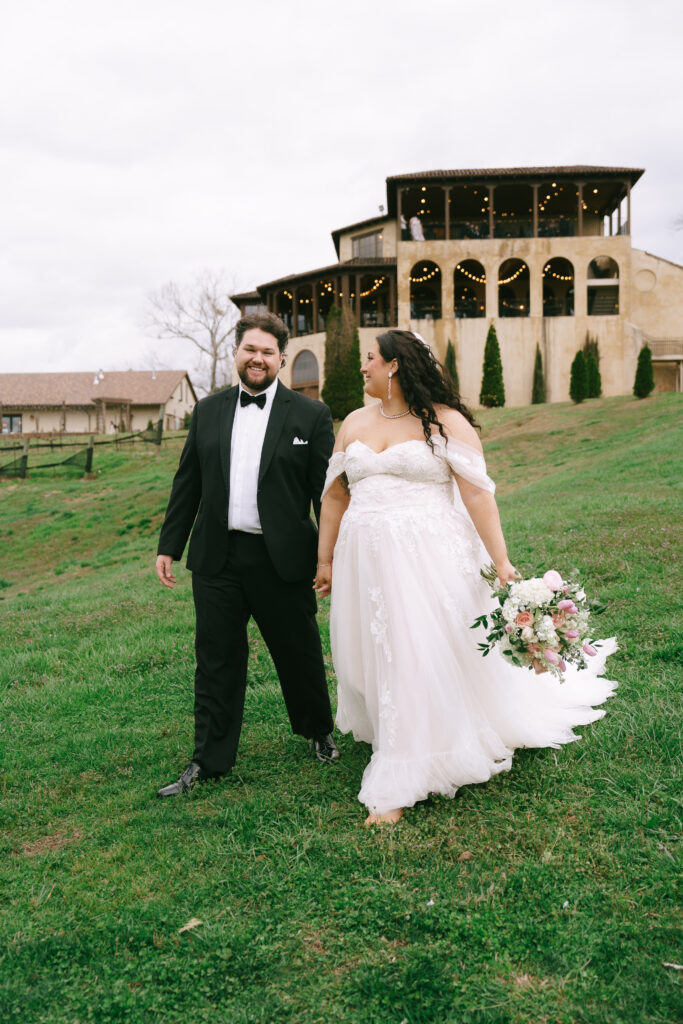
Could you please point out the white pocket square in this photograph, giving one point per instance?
(299, 440)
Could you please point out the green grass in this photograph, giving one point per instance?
(547, 895)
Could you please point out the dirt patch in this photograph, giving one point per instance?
(46, 844)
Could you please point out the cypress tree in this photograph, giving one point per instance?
(593, 376)
(492, 388)
(343, 387)
(538, 387)
(450, 365)
(578, 383)
(645, 380)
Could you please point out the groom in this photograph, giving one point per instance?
(254, 460)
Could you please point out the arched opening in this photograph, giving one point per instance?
(283, 307)
(513, 288)
(558, 211)
(469, 211)
(425, 291)
(513, 211)
(423, 209)
(558, 288)
(326, 298)
(304, 310)
(305, 374)
(469, 290)
(603, 287)
(375, 301)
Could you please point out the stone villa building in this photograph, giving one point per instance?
(544, 253)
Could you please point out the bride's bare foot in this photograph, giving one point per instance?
(389, 817)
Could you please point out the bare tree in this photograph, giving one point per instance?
(202, 314)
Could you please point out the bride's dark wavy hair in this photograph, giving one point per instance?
(424, 381)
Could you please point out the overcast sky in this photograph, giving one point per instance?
(143, 141)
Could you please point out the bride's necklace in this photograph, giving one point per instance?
(394, 416)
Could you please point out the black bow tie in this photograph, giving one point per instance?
(247, 399)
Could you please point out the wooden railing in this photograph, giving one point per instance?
(666, 346)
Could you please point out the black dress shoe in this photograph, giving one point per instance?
(191, 775)
(325, 749)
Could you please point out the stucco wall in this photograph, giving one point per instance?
(657, 298)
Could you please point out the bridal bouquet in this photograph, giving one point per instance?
(541, 623)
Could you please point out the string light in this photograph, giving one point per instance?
(472, 277)
(513, 277)
(547, 272)
(427, 277)
(378, 284)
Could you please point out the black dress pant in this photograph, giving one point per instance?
(285, 615)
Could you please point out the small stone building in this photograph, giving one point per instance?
(94, 403)
(544, 253)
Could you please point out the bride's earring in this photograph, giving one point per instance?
(389, 387)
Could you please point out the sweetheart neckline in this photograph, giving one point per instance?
(411, 440)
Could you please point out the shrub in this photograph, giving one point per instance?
(645, 379)
(492, 388)
(343, 387)
(578, 383)
(594, 381)
(450, 365)
(538, 387)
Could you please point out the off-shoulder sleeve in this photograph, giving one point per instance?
(466, 462)
(334, 469)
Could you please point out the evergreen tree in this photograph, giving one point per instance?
(492, 388)
(343, 387)
(593, 376)
(645, 380)
(591, 345)
(578, 383)
(538, 388)
(451, 365)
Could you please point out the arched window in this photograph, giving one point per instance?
(283, 307)
(558, 288)
(305, 374)
(469, 290)
(513, 288)
(425, 291)
(603, 287)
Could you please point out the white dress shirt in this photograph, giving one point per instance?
(248, 432)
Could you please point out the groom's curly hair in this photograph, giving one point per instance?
(425, 382)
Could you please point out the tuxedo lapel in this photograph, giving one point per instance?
(227, 418)
(276, 421)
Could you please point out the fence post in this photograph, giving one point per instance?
(89, 454)
(23, 465)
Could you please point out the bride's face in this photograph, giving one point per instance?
(376, 372)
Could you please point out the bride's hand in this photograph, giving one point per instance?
(506, 572)
(322, 583)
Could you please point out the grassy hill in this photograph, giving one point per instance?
(548, 894)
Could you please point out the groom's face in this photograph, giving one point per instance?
(257, 360)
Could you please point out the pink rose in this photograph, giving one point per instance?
(509, 628)
(571, 634)
(563, 665)
(553, 580)
(590, 650)
(551, 656)
(559, 619)
(539, 667)
(524, 619)
(534, 649)
(567, 606)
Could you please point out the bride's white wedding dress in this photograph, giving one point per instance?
(406, 589)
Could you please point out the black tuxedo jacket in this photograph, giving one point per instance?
(291, 476)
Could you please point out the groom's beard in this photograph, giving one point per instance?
(257, 379)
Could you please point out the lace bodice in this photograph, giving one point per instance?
(409, 472)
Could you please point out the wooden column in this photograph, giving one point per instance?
(357, 303)
(580, 226)
(628, 206)
(295, 310)
(491, 191)
(393, 313)
(534, 215)
(619, 217)
(316, 285)
(447, 208)
(399, 196)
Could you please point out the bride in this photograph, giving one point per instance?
(400, 550)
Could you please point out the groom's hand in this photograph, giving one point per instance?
(165, 571)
